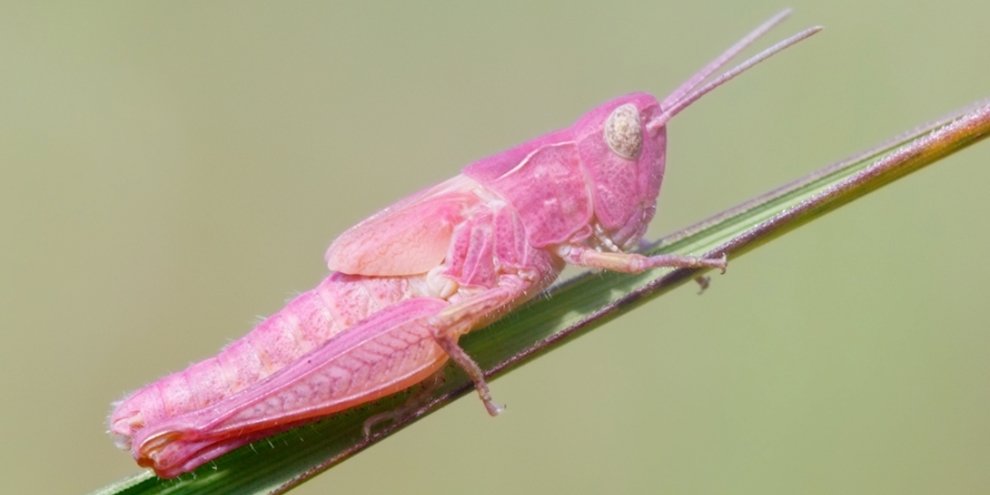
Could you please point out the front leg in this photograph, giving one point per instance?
(634, 262)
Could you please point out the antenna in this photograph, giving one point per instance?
(688, 92)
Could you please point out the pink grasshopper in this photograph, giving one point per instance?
(407, 282)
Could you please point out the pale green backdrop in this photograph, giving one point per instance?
(171, 170)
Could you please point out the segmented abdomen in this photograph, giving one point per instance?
(302, 325)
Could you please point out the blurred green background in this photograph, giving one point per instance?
(171, 170)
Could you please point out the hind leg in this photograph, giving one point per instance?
(469, 314)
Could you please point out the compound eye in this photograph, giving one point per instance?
(623, 131)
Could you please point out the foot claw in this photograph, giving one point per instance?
(721, 262)
(703, 282)
(494, 409)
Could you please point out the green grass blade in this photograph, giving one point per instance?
(277, 464)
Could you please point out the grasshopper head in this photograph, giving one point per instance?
(622, 144)
(623, 160)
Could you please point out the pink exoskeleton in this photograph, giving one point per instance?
(407, 282)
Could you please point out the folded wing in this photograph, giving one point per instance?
(408, 238)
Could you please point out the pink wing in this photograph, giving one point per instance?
(407, 238)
